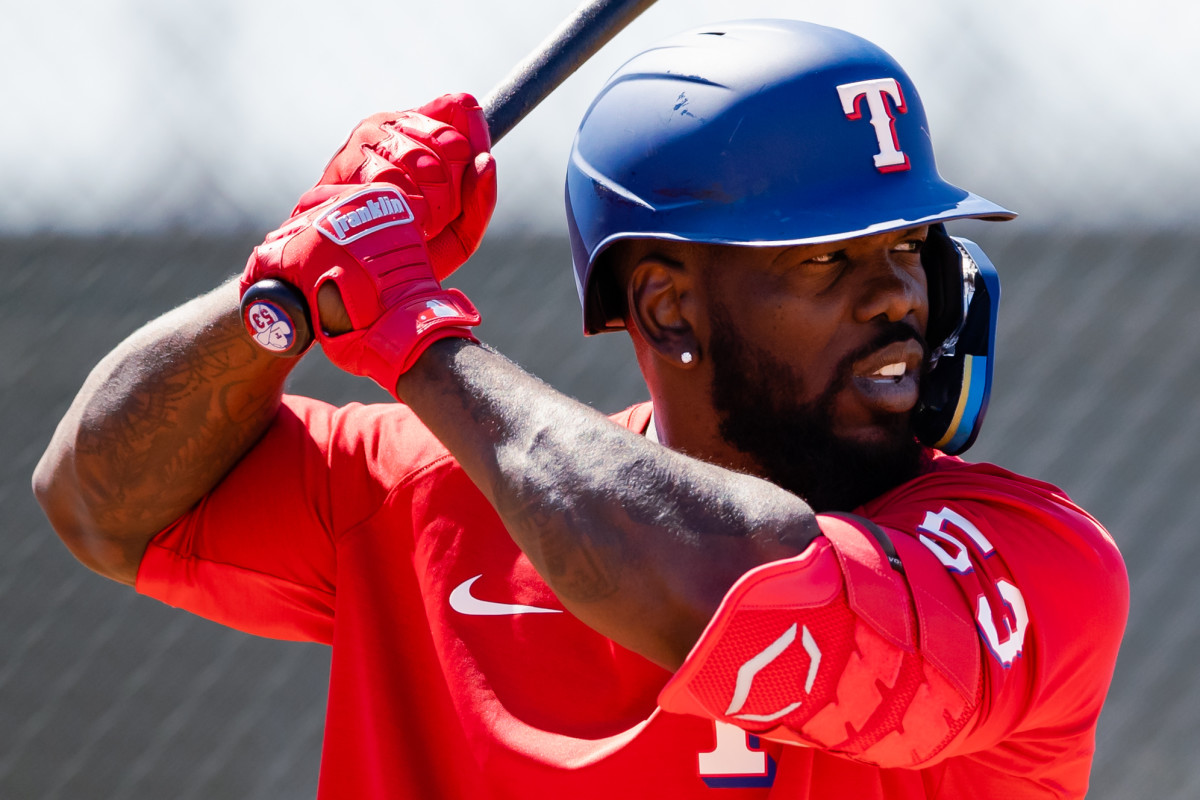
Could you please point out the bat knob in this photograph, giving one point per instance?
(276, 317)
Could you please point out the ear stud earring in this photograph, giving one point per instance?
(685, 357)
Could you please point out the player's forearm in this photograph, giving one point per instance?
(638, 541)
(156, 425)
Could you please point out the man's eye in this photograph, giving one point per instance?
(826, 258)
(911, 246)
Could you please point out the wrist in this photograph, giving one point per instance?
(392, 344)
(432, 366)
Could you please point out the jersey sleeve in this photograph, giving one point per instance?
(259, 552)
(970, 613)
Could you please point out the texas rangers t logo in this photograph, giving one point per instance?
(890, 157)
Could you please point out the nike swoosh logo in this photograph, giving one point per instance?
(462, 601)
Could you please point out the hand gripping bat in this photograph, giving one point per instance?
(275, 313)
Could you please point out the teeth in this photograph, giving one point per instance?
(892, 370)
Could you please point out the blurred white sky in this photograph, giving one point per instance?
(137, 114)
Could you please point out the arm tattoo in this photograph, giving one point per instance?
(571, 556)
(168, 422)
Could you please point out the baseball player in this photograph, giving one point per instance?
(774, 580)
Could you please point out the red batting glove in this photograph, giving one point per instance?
(439, 156)
(368, 241)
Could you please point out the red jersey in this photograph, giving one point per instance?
(456, 673)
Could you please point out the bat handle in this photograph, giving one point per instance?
(276, 317)
(589, 27)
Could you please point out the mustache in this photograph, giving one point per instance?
(889, 333)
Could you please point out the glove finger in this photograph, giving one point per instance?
(420, 171)
(359, 293)
(435, 155)
(477, 131)
(447, 142)
(447, 253)
(352, 163)
(462, 111)
(353, 160)
(451, 248)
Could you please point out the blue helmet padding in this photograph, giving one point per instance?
(976, 386)
(736, 134)
(955, 392)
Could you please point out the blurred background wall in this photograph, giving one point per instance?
(145, 147)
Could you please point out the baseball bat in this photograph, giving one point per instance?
(275, 313)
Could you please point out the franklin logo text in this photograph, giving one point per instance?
(364, 213)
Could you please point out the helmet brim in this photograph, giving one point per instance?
(775, 228)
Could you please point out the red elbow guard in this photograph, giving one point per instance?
(831, 649)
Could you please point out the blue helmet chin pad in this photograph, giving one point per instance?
(955, 391)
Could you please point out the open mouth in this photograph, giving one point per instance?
(889, 373)
(888, 379)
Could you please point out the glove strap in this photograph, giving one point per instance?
(390, 346)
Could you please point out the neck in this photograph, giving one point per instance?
(693, 431)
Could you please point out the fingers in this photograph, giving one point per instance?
(462, 111)
(452, 126)
(358, 295)
(334, 318)
(461, 238)
(438, 155)
(433, 157)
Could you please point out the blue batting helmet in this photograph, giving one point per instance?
(760, 133)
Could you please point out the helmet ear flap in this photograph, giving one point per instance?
(956, 389)
(943, 277)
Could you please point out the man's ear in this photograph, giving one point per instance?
(662, 306)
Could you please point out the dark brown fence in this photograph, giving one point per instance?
(107, 694)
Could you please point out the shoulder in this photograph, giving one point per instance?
(1015, 503)
(1034, 529)
(1045, 582)
(1020, 530)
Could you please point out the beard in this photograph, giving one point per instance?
(793, 442)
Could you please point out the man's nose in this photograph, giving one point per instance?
(894, 290)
